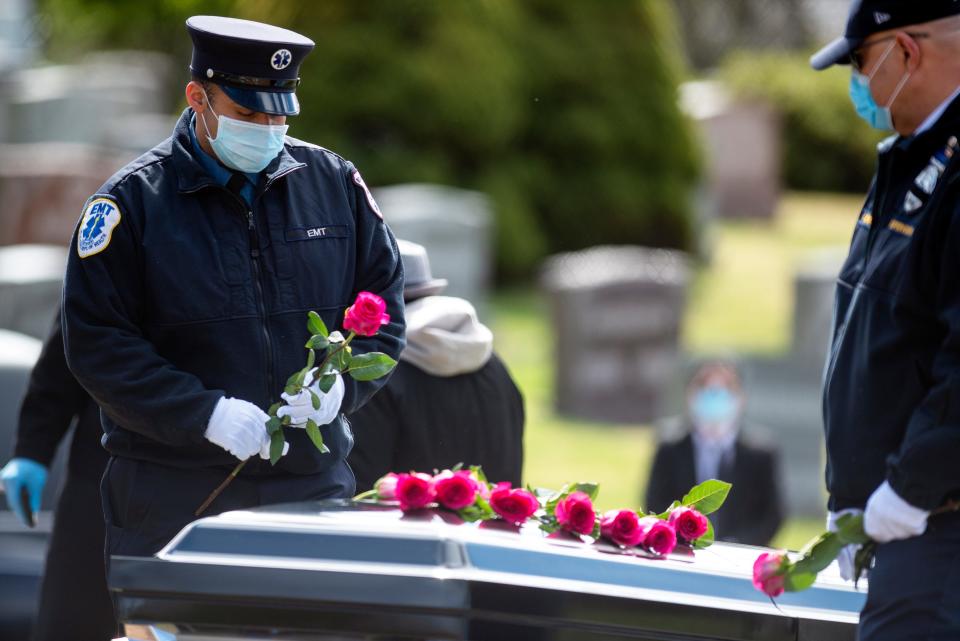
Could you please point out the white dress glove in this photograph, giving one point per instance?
(299, 406)
(889, 517)
(847, 557)
(239, 427)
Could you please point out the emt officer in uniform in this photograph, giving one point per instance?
(892, 381)
(187, 290)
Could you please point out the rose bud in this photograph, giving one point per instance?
(658, 536)
(622, 527)
(455, 490)
(366, 315)
(386, 487)
(689, 523)
(513, 506)
(768, 573)
(414, 491)
(575, 513)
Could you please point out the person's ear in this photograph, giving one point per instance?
(910, 50)
(195, 96)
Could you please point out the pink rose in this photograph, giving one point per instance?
(455, 490)
(366, 315)
(768, 573)
(414, 491)
(386, 487)
(658, 535)
(689, 523)
(575, 513)
(513, 506)
(622, 527)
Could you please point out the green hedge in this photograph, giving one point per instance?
(564, 111)
(826, 146)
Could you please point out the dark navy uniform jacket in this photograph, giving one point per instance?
(186, 294)
(892, 380)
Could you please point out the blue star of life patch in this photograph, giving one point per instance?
(100, 218)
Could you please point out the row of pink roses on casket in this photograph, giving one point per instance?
(467, 492)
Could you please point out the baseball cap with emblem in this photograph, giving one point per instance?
(256, 64)
(868, 17)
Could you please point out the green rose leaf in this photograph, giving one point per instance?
(707, 497)
(819, 553)
(478, 472)
(341, 360)
(273, 425)
(370, 366)
(850, 529)
(663, 516)
(273, 408)
(315, 325)
(313, 431)
(862, 560)
(285, 420)
(311, 359)
(590, 489)
(795, 581)
(706, 540)
(317, 341)
(295, 379)
(276, 446)
(314, 399)
(327, 381)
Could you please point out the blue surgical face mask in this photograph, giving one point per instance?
(245, 146)
(867, 108)
(714, 405)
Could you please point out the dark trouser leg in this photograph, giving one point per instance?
(146, 504)
(74, 603)
(335, 483)
(915, 587)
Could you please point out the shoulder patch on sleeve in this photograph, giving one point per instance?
(358, 179)
(100, 218)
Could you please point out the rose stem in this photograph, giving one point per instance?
(220, 488)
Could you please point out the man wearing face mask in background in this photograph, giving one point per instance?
(713, 447)
(891, 392)
(188, 286)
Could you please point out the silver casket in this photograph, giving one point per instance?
(347, 570)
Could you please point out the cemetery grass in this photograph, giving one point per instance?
(740, 301)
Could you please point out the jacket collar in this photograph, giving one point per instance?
(191, 176)
(934, 136)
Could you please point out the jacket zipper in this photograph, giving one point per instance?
(872, 232)
(261, 306)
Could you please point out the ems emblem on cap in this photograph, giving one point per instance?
(281, 59)
(100, 218)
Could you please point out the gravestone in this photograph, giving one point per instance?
(82, 103)
(455, 227)
(741, 144)
(43, 188)
(814, 284)
(616, 315)
(31, 279)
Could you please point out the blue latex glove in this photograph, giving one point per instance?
(21, 473)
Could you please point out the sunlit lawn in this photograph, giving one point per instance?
(741, 301)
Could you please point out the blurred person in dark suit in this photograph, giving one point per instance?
(74, 603)
(713, 447)
(450, 400)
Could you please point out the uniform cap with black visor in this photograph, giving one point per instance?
(257, 65)
(868, 17)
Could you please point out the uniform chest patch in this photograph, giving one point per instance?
(100, 218)
(358, 179)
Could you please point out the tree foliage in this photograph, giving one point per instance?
(564, 111)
